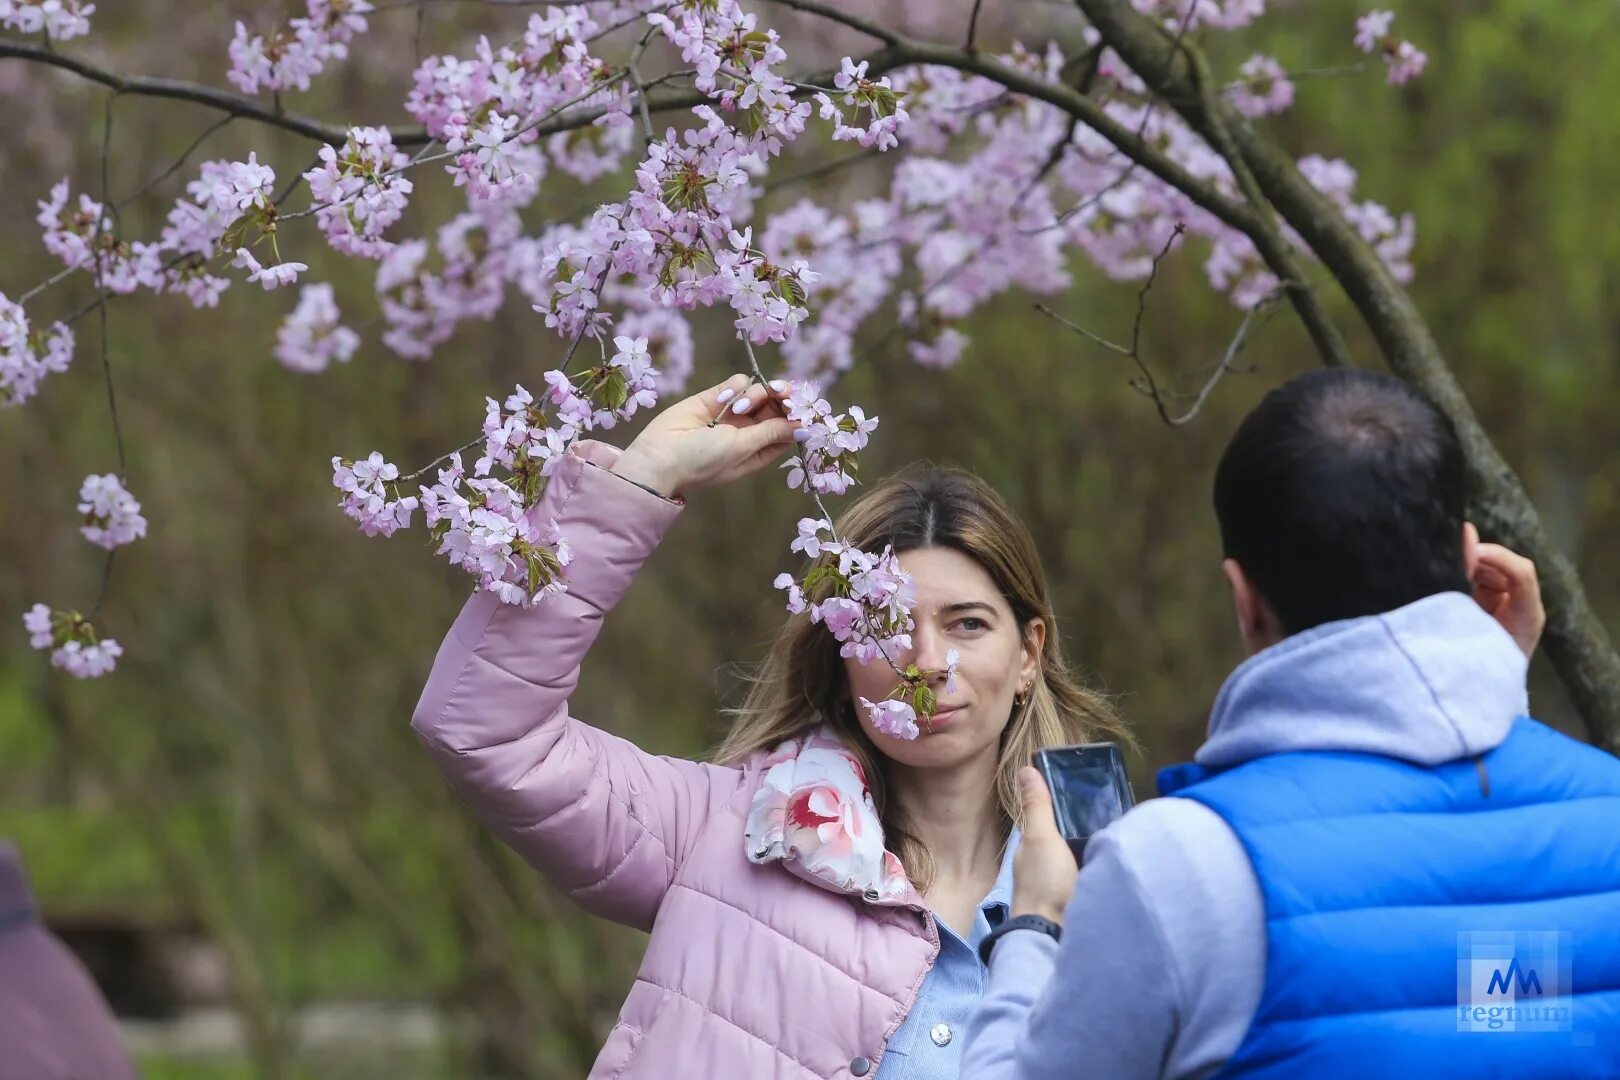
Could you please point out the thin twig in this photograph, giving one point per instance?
(820, 170)
(1153, 274)
(298, 178)
(47, 283)
(179, 162)
(1087, 203)
(442, 457)
(1148, 385)
(1090, 335)
(106, 359)
(641, 89)
(973, 27)
(106, 348)
(1238, 341)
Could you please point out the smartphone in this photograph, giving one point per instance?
(1089, 788)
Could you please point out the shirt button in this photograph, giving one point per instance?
(860, 1066)
(941, 1034)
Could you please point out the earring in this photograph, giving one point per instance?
(1018, 698)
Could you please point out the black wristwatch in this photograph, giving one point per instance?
(1018, 922)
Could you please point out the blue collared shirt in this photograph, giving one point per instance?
(928, 1045)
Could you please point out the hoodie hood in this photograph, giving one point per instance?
(1436, 680)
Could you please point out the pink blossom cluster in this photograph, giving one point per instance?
(359, 191)
(825, 463)
(312, 336)
(769, 299)
(1263, 87)
(1404, 60)
(371, 494)
(289, 56)
(868, 597)
(489, 524)
(273, 276)
(1393, 238)
(28, 355)
(72, 642)
(58, 20)
(112, 516)
(485, 109)
(82, 235)
(875, 97)
(425, 290)
(1188, 15)
(897, 715)
(866, 605)
(223, 193)
(484, 527)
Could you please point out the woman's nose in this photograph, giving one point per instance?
(928, 650)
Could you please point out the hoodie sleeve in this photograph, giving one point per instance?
(1160, 966)
(605, 821)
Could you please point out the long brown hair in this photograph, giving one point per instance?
(801, 683)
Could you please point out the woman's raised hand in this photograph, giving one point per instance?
(727, 431)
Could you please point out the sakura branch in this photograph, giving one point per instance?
(980, 149)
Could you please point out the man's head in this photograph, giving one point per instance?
(1340, 495)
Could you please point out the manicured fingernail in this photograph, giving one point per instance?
(725, 395)
(778, 385)
(801, 434)
(741, 407)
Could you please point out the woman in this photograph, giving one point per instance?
(787, 940)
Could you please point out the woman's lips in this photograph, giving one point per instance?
(942, 717)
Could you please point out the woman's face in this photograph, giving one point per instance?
(957, 607)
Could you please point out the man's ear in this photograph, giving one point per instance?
(1257, 624)
(1470, 549)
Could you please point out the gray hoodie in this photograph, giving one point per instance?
(1163, 953)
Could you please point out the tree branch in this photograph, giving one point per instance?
(1576, 640)
(844, 18)
(224, 100)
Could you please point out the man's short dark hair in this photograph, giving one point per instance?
(1342, 494)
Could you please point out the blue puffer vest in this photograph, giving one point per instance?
(1398, 897)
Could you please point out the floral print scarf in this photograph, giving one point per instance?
(813, 806)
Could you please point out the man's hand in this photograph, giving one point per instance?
(1044, 868)
(1506, 586)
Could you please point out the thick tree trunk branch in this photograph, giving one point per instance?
(657, 100)
(1576, 641)
(234, 104)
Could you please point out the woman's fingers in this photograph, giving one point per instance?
(755, 403)
(717, 399)
(772, 434)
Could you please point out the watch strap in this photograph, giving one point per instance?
(1018, 922)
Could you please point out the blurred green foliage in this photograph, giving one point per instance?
(250, 766)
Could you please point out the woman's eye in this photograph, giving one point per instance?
(971, 624)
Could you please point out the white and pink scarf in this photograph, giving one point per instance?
(813, 807)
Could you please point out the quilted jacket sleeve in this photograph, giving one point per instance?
(605, 821)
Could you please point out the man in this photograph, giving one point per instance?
(1378, 865)
(54, 1024)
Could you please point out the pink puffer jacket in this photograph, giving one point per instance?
(773, 953)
